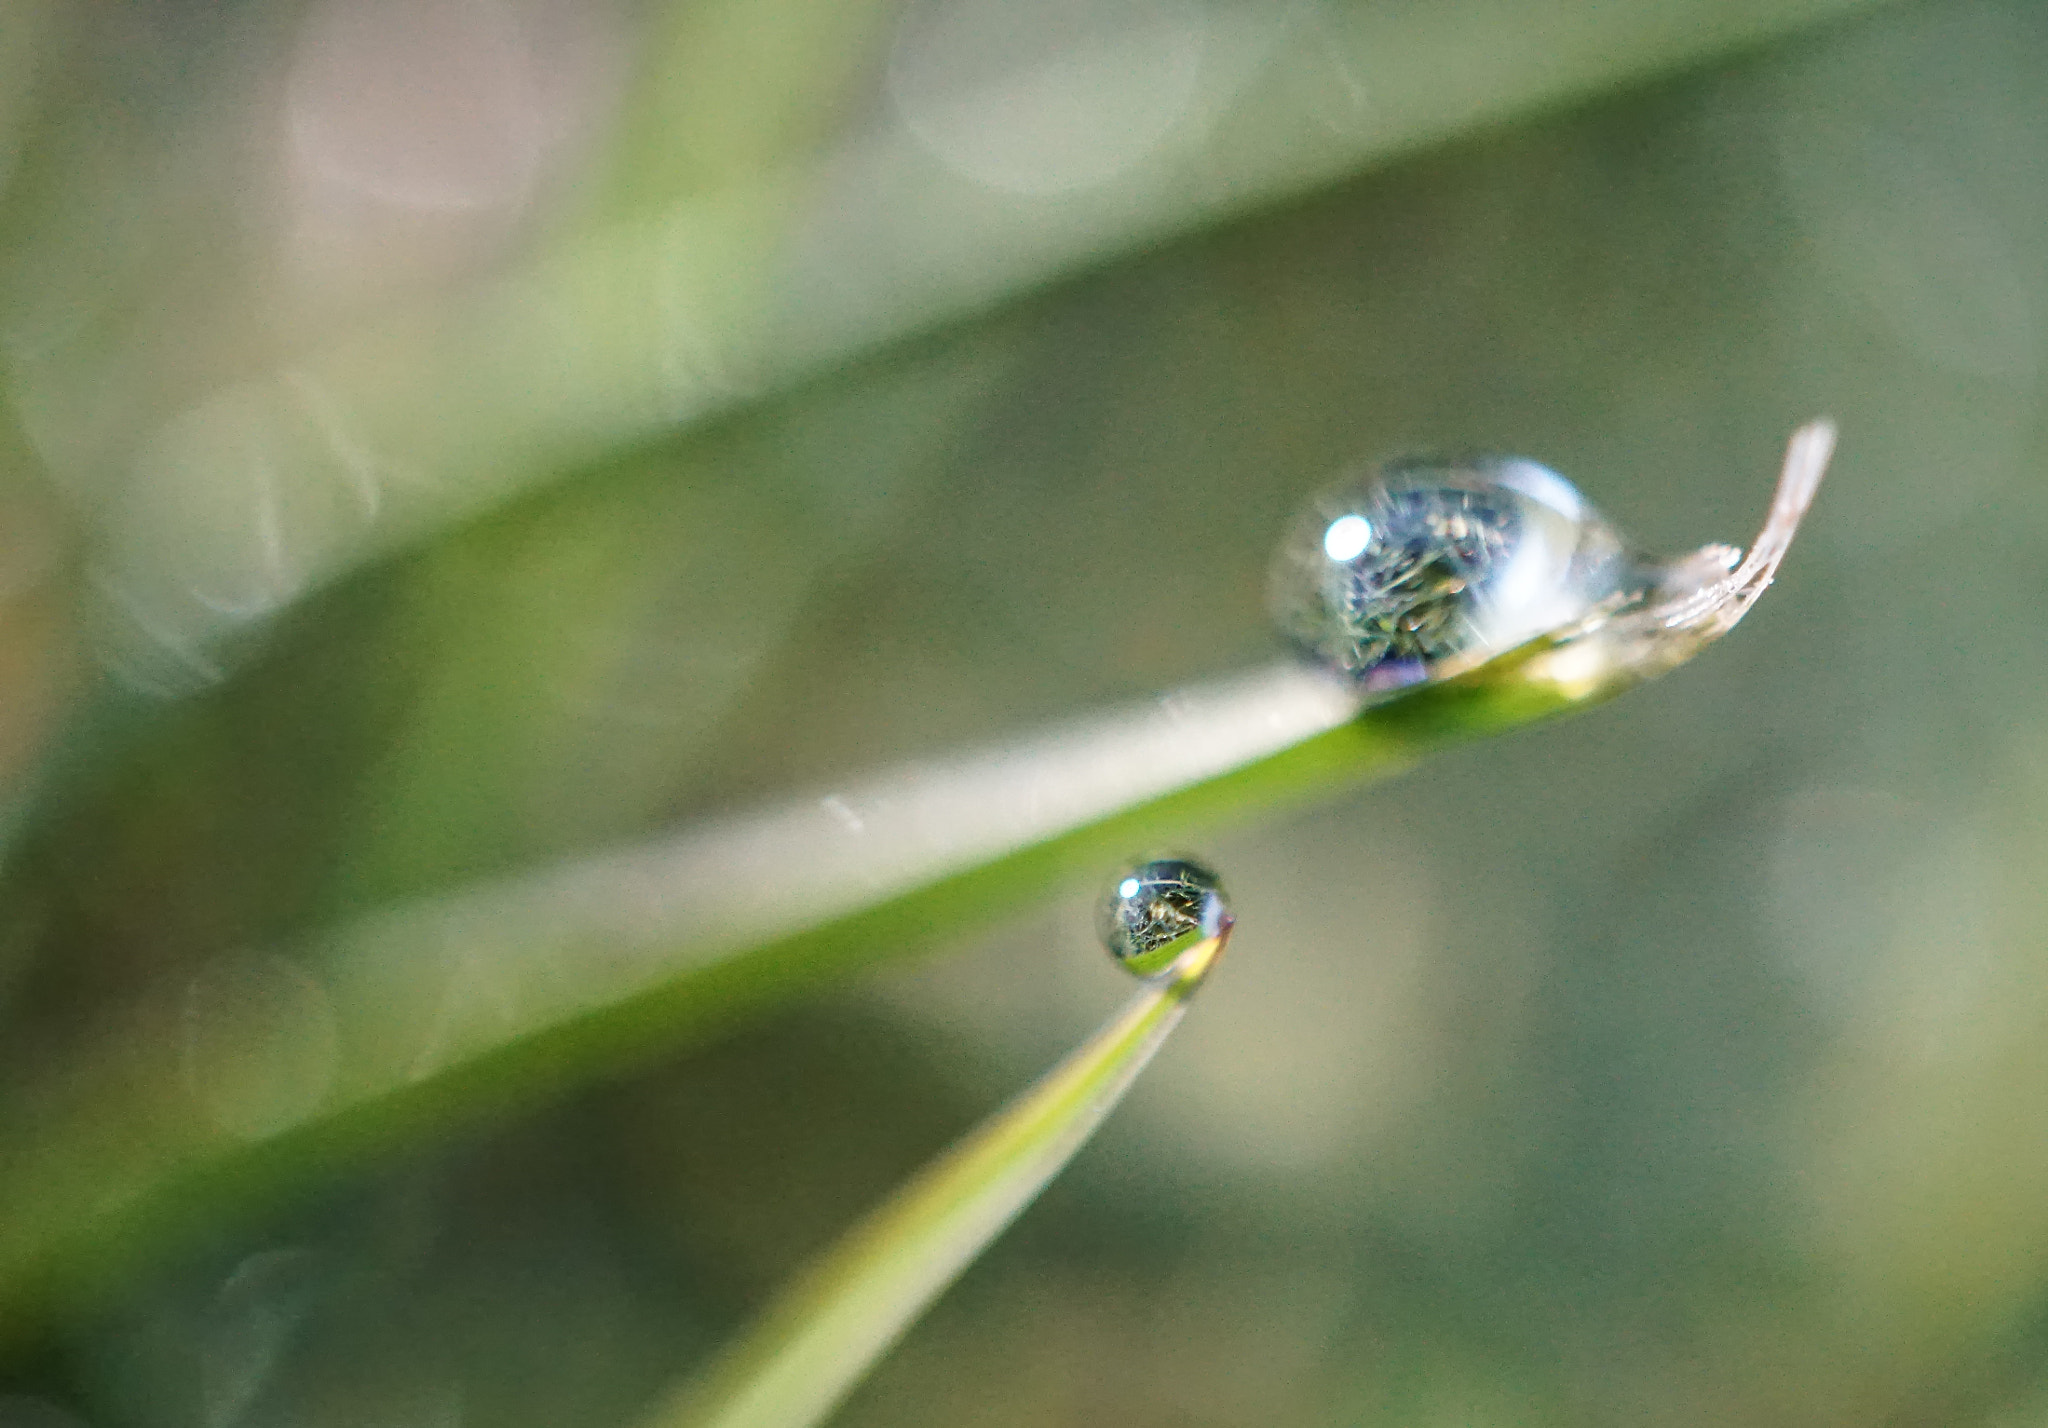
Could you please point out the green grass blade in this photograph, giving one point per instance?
(828, 1328)
(300, 1057)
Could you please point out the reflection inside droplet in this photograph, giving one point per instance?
(1158, 911)
(1436, 563)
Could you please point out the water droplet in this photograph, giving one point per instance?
(1432, 564)
(1159, 910)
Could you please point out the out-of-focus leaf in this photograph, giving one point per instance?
(266, 488)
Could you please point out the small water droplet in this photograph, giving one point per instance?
(1159, 910)
(1431, 564)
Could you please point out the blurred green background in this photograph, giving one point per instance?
(437, 439)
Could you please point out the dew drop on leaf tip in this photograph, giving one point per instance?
(1430, 564)
(1155, 912)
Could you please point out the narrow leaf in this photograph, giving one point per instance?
(828, 1328)
(275, 1064)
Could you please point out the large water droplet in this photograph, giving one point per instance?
(1432, 564)
(1160, 909)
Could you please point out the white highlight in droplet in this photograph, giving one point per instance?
(1347, 537)
(1127, 888)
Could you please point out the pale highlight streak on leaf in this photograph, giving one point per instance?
(820, 1337)
(532, 982)
(666, 908)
